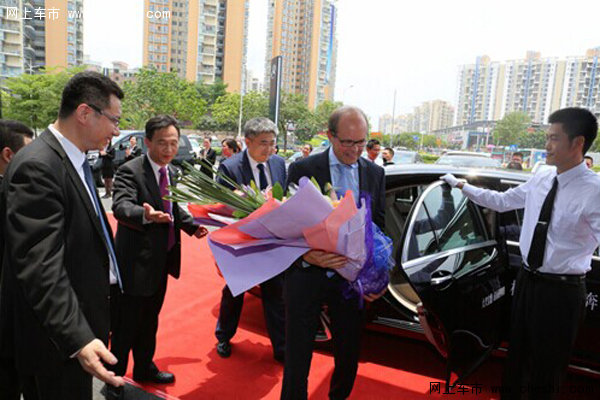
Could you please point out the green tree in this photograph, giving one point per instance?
(511, 128)
(407, 139)
(532, 140)
(226, 110)
(212, 91)
(35, 99)
(154, 92)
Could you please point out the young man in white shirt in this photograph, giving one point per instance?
(561, 230)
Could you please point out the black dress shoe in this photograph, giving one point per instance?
(224, 349)
(160, 377)
(114, 392)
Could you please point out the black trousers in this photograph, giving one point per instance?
(10, 383)
(71, 382)
(546, 315)
(305, 290)
(135, 330)
(273, 308)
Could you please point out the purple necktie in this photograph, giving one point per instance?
(167, 205)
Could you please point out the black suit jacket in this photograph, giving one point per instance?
(135, 152)
(142, 248)
(55, 276)
(211, 157)
(371, 179)
(238, 168)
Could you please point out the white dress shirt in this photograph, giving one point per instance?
(77, 157)
(156, 169)
(574, 231)
(256, 171)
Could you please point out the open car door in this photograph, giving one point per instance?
(457, 271)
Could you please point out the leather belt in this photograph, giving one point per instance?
(566, 278)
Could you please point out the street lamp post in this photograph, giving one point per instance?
(393, 119)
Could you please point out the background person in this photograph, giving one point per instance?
(13, 137)
(229, 147)
(589, 161)
(133, 150)
(306, 150)
(148, 245)
(209, 155)
(387, 155)
(373, 149)
(561, 230)
(59, 269)
(108, 169)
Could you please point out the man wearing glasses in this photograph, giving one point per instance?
(59, 267)
(258, 164)
(312, 280)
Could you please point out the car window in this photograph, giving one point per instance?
(445, 220)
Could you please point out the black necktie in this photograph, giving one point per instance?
(262, 177)
(535, 258)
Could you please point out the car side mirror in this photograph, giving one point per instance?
(122, 146)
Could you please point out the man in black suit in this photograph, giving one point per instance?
(13, 136)
(311, 280)
(148, 246)
(133, 150)
(209, 155)
(255, 164)
(59, 267)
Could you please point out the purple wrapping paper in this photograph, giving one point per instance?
(282, 242)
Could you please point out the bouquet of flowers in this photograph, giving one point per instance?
(262, 234)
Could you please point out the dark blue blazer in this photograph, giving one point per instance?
(237, 167)
(371, 179)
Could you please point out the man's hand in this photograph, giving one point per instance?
(452, 181)
(153, 215)
(374, 296)
(91, 357)
(201, 232)
(324, 259)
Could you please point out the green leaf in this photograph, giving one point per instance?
(239, 214)
(278, 191)
(314, 182)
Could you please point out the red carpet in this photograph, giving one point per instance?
(390, 368)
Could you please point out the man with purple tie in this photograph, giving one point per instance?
(148, 246)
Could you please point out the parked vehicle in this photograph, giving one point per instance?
(406, 157)
(454, 276)
(468, 159)
(121, 143)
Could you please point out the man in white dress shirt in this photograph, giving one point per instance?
(561, 230)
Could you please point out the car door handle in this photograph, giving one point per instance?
(438, 280)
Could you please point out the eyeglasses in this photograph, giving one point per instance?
(351, 143)
(115, 120)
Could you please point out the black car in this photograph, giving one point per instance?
(456, 264)
(121, 144)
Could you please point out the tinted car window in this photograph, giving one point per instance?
(445, 220)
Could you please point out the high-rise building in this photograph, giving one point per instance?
(201, 40)
(426, 118)
(535, 85)
(477, 91)
(431, 116)
(40, 33)
(304, 34)
(581, 82)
